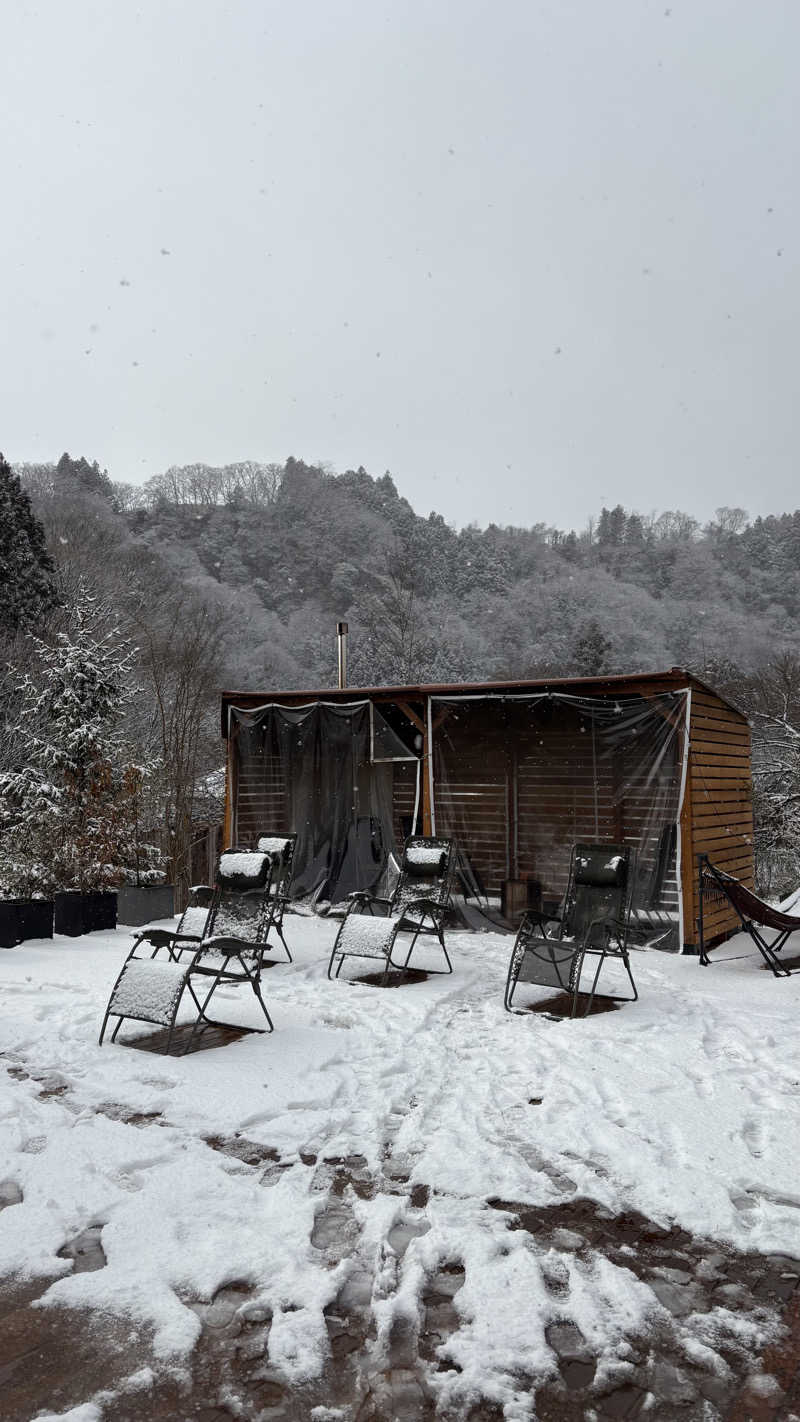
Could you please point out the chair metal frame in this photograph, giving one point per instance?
(279, 897)
(562, 945)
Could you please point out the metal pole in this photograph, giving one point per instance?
(341, 633)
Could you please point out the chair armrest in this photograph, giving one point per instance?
(228, 945)
(163, 937)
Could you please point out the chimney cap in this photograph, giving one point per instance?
(341, 628)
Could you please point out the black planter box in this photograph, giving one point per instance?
(21, 919)
(77, 913)
(141, 903)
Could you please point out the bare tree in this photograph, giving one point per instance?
(181, 652)
(773, 698)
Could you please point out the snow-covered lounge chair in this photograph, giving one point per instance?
(204, 902)
(280, 848)
(550, 949)
(417, 906)
(754, 914)
(230, 951)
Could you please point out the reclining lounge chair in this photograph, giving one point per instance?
(550, 949)
(417, 906)
(231, 950)
(754, 914)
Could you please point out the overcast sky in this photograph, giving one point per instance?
(532, 256)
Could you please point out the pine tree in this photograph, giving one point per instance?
(60, 812)
(27, 586)
(592, 649)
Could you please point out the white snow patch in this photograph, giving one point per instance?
(680, 1106)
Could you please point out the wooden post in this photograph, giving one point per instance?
(421, 723)
(426, 780)
(230, 790)
(686, 868)
(422, 726)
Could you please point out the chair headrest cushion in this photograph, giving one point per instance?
(602, 868)
(276, 846)
(425, 861)
(244, 869)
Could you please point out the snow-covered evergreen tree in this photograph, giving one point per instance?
(61, 813)
(27, 587)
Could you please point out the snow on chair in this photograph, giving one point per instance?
(231, 951)
(417, 906)
(550, 949)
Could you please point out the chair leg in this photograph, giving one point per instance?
(257, 990)
(511, 987)
(414, 938)
(626, 961)
(577, 987)
(201, 1020)
(440, 935)
(767, 952)
(103, 1028)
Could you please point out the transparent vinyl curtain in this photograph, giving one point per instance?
(323, 771)
(519, 779)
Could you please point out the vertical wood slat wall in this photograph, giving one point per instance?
(719, 818)
(563, 794)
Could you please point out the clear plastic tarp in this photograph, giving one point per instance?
(519, 779)
(325, 772)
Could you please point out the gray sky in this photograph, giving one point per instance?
(530, 255)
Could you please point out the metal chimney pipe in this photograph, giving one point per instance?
(341, 633)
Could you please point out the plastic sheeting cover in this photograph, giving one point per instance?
(546, 771)
(325, 770)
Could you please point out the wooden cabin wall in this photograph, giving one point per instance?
(551, 779)
(718, 811)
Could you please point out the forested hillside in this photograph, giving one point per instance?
(236, 576)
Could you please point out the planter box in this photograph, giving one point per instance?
(141, 903)
(21, 919)
(77, 913)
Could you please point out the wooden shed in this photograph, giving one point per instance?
(516, 771)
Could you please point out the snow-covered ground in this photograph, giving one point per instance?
(682, 1106)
